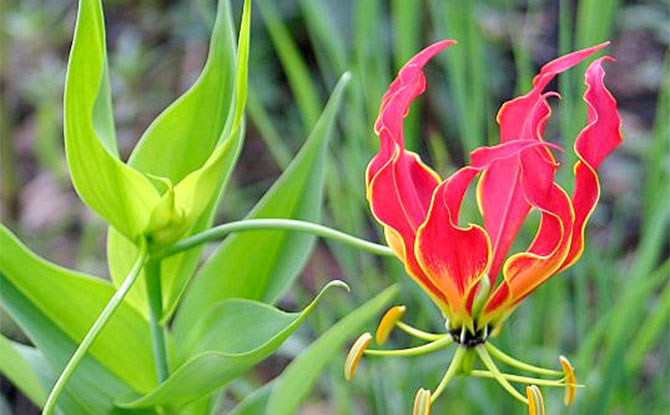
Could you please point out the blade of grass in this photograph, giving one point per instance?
(297, 71)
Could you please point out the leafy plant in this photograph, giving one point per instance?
(104, 347)
(608, 314)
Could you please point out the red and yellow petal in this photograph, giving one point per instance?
(514, 115)
(526, 271)
(408, 85)
(400, 202)
(399, 185)
(453, 258)
(594, 143)
(499, 194)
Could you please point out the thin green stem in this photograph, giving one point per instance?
(419, 334)
(152, 278)
(413, 351)
(246, 225)
(450, 373)
(93, 332)
(507, 359)
(521, 379)
(491, 366)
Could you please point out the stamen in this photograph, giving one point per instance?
(422, 402)
(488, 362)
(355, 354)
(535, 401)
(559, 383)
(392, 316)
(419, 334)
(507, 359)
(570, 381)
(413, 351)
(450, 373)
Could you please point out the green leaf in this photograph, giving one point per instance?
(92, 386)
(121, 195)
(195, 191)
(255, 403)
(183, 137)
(76, 399)
(18, 370)
(41, 295)
(261, 265)
(297, 72)
(35, 364)
(299, 377)
(193, 145)
(226, 342)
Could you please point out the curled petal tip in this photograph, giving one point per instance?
(570, 381)
(552, 94)
(355, 354)
(421, 402)
(392, 316)
(421, 58)
(535, 401)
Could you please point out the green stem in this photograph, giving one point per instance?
(451, 372)
(488, 362)
(153, 286)
(220, 231)
(93, 332)
(507, 359)
(520, 379)
(414, 351)
(419, 334)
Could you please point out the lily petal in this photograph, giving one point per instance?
(525, 271)
(399, 184)
(453, 258)
(408, 85)
(499, 194)
(594, 143)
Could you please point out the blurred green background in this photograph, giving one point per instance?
(609, 314)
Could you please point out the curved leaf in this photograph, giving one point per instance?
(93, 388)
(261, 265)
(299, 377)
(34, 364)
(229, 340)
(255, 403)
(117, 192)
(38, 293)
(80, 398)
(20, 372)
(194, 143)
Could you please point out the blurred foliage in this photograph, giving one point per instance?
(610, 313)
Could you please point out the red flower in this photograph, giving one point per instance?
(459, 266)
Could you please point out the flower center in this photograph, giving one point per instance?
(466, 338)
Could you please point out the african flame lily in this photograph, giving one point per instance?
(465, 269)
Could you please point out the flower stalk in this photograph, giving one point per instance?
(95, 330)
(453, 368)
(247, 225)
(152, 277)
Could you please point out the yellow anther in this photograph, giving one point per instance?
(355, 354)
(392, 316)
(535, 400)
(570, 381)
(422, 402)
